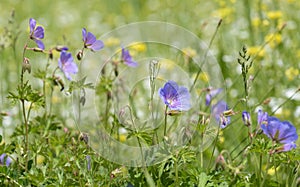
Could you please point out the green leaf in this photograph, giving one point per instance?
(203, 178)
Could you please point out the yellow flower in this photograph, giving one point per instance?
(56, 99)
(204, 77)
(224, 13)
(167, 64)
(40, 159)
(122, 137)
(256, 50)
(298, 53)
(291, 73)
(277, 14)
(273, 39)
(256, 22)
(189, 52)
(138, 46)
(112, 41)
(271, 171)
(283, 113)
(221, 137)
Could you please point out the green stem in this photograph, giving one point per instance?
(259, 171)
(26, 133)
(212, 154)
(44, 86)
(206, 53)
(176, 172)
(201, 152)
(166, 117)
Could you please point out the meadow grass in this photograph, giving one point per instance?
(117, 124)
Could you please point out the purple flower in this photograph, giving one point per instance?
(36, 33)
(218, 111)
(281, 132)
(67, 64)
(262, 117)
(5, 159)
(246, 118)
(88, 159)
(90, 41)
(287, 147)
(175, 97)
(127, 59)
(211, 93)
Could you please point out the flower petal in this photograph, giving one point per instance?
(39, 32)
(84, 35)
(32, 24)
(40, 44)
(97, 45)
(90, 39)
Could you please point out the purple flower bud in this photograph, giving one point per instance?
(246, 118)
(262, 117)
(88, 159)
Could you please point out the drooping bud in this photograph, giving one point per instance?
(82, 100)
(37, 49)
(84, 137)
(174, 112)
(57, 81)
(26, 65)
(51, 54)
(79, 55)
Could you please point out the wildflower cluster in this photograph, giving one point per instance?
(280, 132)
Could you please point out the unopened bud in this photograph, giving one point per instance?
(82, 100)
(51, 55)
(220, 161)
(246, 118)
(36, 49)
(60, 48)
(57, 81)
(174, 113)
(229, 112)
(79, 55)
(26, 65)
(84, 137)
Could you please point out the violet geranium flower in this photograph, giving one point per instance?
(127, 58)
(4, 159)
(282, 132)
(175, 97)
(90, 41)
(36, 33)
(67, 65)
(211, 94)
(218, 111)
